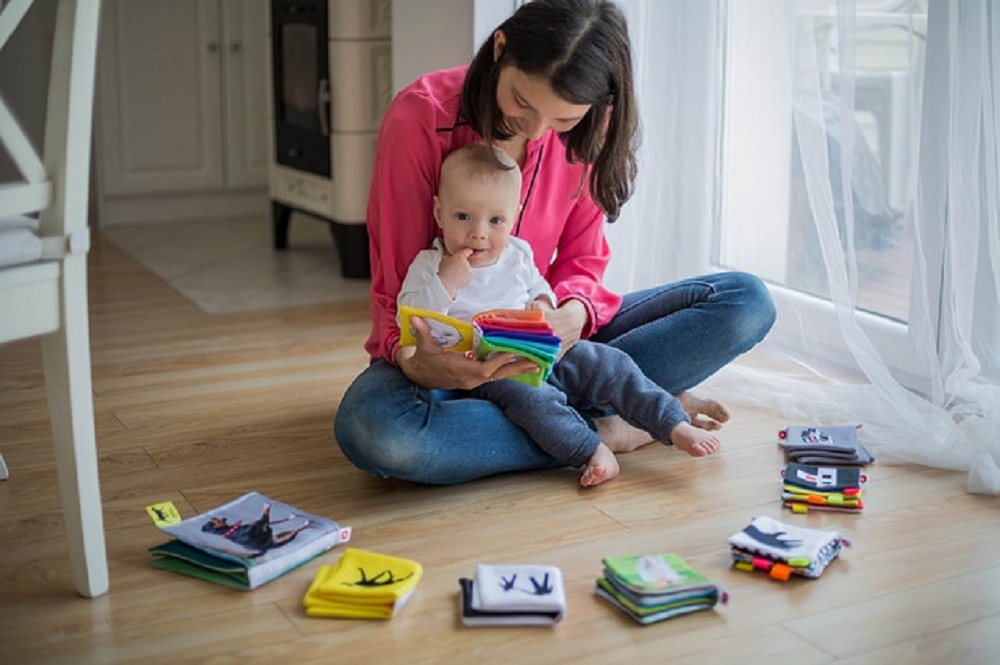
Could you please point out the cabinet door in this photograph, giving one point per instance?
(245, 85)
(160, 96)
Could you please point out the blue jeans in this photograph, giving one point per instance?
(679, 334)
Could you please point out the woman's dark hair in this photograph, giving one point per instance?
(581, 48)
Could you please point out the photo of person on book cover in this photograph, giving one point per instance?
(249, 528)
(256, 535)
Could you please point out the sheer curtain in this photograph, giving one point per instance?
(659, 236)
(953, 328)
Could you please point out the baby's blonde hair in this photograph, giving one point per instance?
(480, 161)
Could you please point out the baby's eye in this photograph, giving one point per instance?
(462, 216)
(497, 221)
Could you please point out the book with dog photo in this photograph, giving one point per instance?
(245, 543)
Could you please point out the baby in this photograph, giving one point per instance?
(477, 265)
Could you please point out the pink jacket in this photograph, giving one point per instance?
(420, 128)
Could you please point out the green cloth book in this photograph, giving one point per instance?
(246, 543)
(654, 587)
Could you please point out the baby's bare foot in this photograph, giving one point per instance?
(601, 467)
(706, 414)
(694, 441)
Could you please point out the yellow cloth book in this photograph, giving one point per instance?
(362, 585)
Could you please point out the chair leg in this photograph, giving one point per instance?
(66, 355)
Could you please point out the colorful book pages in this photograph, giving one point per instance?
(522, 332)
(783, 550)
(654, 587)
(823, 488)
(801, 502)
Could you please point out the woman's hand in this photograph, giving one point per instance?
(567, 321)
(431, 366)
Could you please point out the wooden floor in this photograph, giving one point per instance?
(197, 409)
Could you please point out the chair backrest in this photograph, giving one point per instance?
(55, 183)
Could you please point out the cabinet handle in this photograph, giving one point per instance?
(323, 106)
(213, 47)
(235, 46)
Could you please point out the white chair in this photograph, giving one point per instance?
(43, 287)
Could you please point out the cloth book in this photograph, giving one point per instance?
(246, 543)
(782, 549)
(522, 332)
(513, 595)
(824, 488)
(362, 585)
(654, 587)
(837, 445)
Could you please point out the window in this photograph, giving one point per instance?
(788, 63)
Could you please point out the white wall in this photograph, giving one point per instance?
(436, 34)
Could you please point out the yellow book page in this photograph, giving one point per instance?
(449, 333)
(365, 578)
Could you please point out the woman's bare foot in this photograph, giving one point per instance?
(707, 414)
(695, 441)
(601, 467)
(619, 436)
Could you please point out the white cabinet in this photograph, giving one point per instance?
(182, 129)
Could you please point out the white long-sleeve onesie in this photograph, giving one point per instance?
(513, 282)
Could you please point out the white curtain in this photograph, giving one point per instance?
(658, 237)
(665, 232)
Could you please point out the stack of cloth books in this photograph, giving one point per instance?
(522, 332)
(839, 445)
(513, 595)
(654, 587)
(783, 550)
(362, 585)
(827, 488)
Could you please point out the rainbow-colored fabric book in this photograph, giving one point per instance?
(523, 332)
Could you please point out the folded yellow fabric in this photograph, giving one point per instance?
(362, 585)
(324, 609)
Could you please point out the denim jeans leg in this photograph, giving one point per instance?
(391, 428)
(542, 411)
(682, 333)
(600, 378)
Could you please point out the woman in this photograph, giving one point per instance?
(553, 88)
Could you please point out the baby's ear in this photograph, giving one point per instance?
(437, 210)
